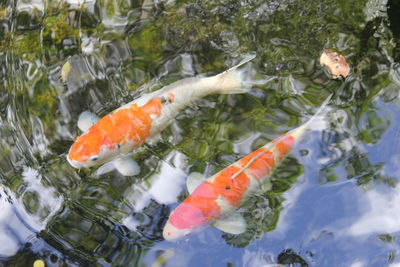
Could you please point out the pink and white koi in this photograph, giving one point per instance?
(131, 125)
(215, 200)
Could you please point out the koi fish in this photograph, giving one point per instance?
(215, 200)
(129, 126)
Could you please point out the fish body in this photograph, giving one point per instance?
(220, 195)
(131, 125)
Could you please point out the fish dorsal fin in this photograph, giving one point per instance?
(232, 224)
(265, 150)
(194, 180)
(126, 165)
(86, 120)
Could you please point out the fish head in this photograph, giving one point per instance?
(172, 233)
(184, 220)
(90, 150)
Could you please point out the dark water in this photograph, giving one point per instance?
(334, 201)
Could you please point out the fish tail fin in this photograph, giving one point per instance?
(235, 80)
(299, 131)
(321, 109)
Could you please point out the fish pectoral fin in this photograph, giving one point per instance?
(233, 224)
(86, 120)
(105, 168)
(194, 180)
(152, 140)
(126, 165)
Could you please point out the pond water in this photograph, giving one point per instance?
(335, 201)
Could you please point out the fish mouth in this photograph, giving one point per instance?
(75, 164)
(171, 233)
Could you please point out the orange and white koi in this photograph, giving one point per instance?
(133, 124)
(215, 200)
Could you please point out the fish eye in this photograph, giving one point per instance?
(165, 99)
(94, 158)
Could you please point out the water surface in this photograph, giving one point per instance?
(334, 200)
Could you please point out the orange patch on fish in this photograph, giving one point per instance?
(284, 146)
(197, 209)
(231, 189)
(171, 97)
(201, 206)
(278, 138)
(132, 123)
(154, 106)
(261, 166)
(84, 144)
